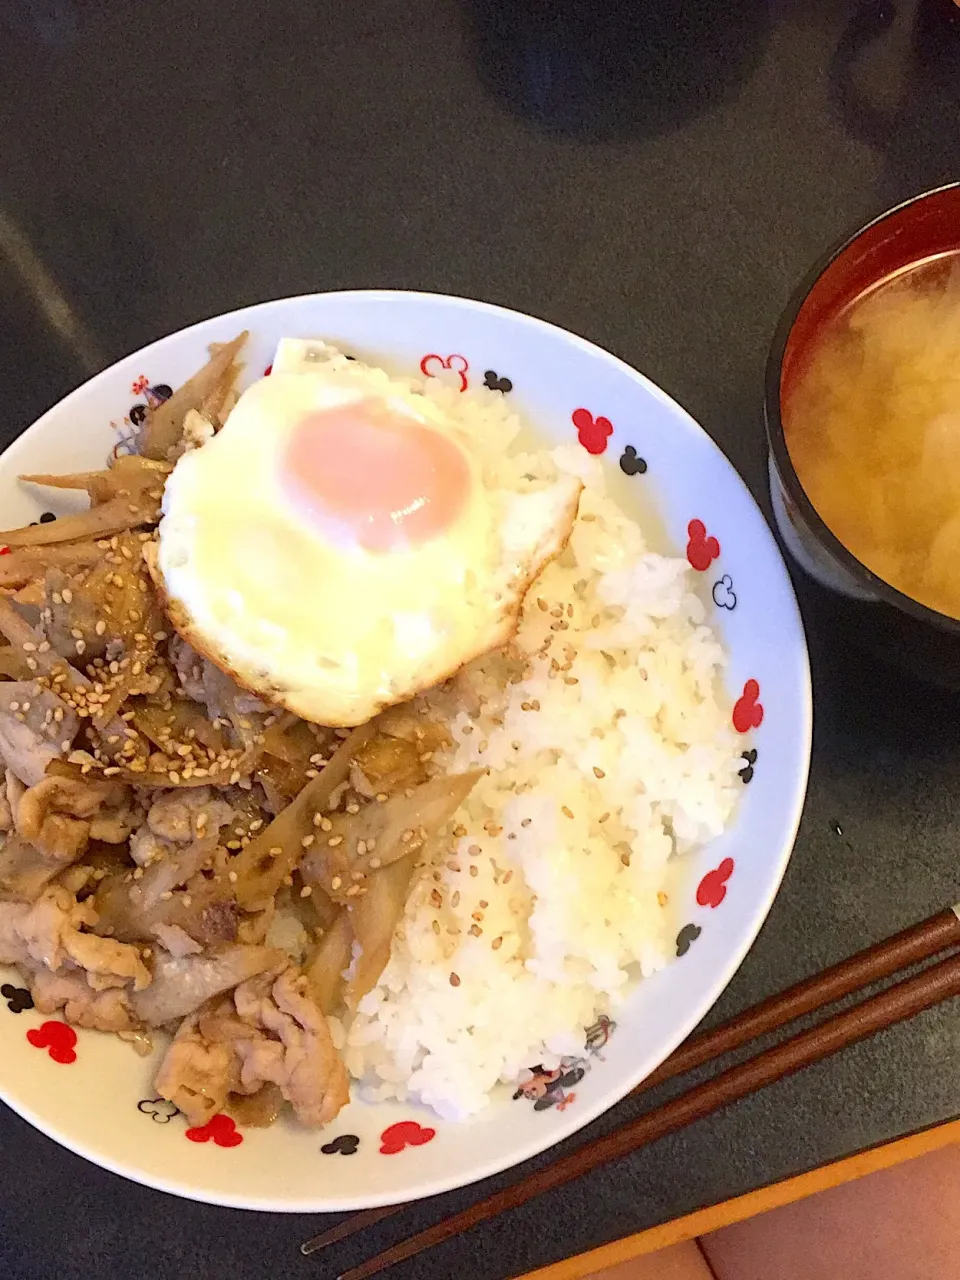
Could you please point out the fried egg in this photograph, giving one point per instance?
(337, 547)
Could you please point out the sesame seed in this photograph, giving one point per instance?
(101, 627)
(80, 647)
(375, 864)
(335, 883)
(166, 895)
(436, 927)
(474, 850)
(407, 836)
(29, 647)
(353, 891)
(67, 595)
(306, 891)
(568, 813)
(475, 931)
(232, 877)
(474, 871)
(662, 898)
(334, 841)
(598, 773)
(455, 900)
(307, 841)
(525, 822)
(497, 943)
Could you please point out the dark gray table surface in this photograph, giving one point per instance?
(653, 174)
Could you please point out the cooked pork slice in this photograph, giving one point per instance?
(268, 1034)
(106, 957)
(296, 1053)
(182, 816)
(176, 940)
(35, 727)
(56, 815)
(50, 921)
(13, 949)
(181, 986)
(197, 1074)
(207, 684)
(24, 871)
(69, 990)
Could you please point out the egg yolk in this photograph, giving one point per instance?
(373, 478)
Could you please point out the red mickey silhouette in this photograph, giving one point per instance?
(220, 1128)
(139, 385)
(405, 1134)
(747, 711)
(459, 365)
(4, 551)
(593, 433)
(712, 889)
(701, 550)
(57, 1038)
(268, 370)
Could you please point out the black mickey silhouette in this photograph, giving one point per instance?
(345, 1145)
(17, 998)
(495, 383)
(687, 937)
(750, 759)
(630, 464)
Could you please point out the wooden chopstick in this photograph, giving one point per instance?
(910, 946)
(903, 1000)
(356, 1222)
(894, 954)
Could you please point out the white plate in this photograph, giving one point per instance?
(99, 1104)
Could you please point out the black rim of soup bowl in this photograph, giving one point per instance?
(776, 440)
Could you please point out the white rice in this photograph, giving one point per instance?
(599, 773)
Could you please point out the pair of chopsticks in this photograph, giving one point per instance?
(903, 1000)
